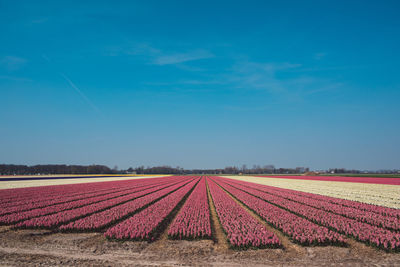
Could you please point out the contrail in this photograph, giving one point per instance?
(85, 98)
(93, 106)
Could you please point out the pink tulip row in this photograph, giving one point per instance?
(388, 222)
(385, 211)
(298, 229)
(193, 220)
(55, 205)
(370, 234)
(32, 213)
(242, 230)
(148, 223)
(45, 200)
(18, 197)
(107, 217)
(12, 196)
(55, 219)
(60, 192)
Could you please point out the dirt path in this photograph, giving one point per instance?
(34, 247)
(221, 243)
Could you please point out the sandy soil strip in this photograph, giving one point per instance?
(382, 194)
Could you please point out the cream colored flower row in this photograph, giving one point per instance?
(383, 195)
(31, 183)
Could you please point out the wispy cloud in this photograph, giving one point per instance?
(261, 76)
(280, 79)
(156, 56)
(168, 59)
(141, 49)
(14, 78)
(12, 63)
(185, 82)
(319, 56)
(46, 58)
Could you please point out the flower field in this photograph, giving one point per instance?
(193, 221)
(14, 182)
(367, 180)
(378, 194)
(250, 215)
(241, 228)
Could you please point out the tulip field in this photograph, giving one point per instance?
(250, 215)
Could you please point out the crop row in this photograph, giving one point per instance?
(50, 206)
(13, 196)
(19, 194)
(19, 216)
(378, 195)
(107, 217)
(69, 192)
(193, 220)
(146, 224)
(53, 220)
(388, 222)
(242, 230)
(353, 179)
(364, 232)
(296, 228)
(385, 211)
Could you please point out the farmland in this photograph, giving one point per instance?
(9, 182)
(235, 220)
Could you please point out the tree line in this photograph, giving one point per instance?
(11, 169)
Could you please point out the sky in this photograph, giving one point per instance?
(200, 84)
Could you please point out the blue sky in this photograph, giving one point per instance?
(200, 84)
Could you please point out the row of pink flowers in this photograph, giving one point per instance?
(193, 220)
(298, 229)
(30, 195)
(59, 204)
(21, 196)
(107, 217)
(370, 234)
(385, 211)
(146, 224)
(388, 222)
(53, 220)
(32, 213)
(16, 194)
(242, 230)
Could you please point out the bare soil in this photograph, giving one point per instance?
(44, 248)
